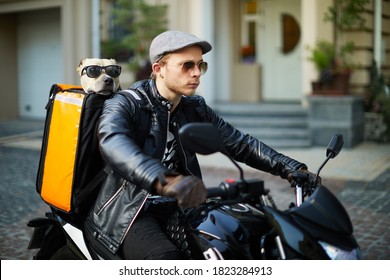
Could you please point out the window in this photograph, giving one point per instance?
(249, 21)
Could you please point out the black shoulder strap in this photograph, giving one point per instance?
(142, 99)
(92, 185)
(147, 114)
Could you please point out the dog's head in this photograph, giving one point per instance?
(99, 75)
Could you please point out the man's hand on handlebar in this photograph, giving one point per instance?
(189, 191)
(311, 177)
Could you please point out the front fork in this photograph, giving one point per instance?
(298, 195)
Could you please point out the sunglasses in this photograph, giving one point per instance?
(94, 71)
(189, 65)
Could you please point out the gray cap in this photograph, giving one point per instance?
(171, 41)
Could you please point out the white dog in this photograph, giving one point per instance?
(99, 75)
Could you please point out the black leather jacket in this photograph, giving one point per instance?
(136, 165)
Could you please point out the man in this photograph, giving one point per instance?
(127, 217)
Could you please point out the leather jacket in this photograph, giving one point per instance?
(136, 166)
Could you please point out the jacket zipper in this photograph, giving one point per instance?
(112, 197)
(132, 221)
(166, 138)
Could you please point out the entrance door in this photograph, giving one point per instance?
(39, 59)
(281, 71)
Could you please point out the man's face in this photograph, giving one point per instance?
(180, 72)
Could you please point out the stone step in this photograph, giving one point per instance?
(277, 125)
(282, 109)
(267, 121)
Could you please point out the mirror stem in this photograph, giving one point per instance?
(322, 165)
(239, 168)
(226, 153)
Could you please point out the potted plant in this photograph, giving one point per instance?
(334, 69)
(248, 54)
(333, 59)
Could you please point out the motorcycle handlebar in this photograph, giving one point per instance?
(303, 180)
(231, 189)
(215, 192)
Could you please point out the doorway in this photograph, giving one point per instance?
(281, 71)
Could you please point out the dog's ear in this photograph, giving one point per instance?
(113, 61)
(79, 67)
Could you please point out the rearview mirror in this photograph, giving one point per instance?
(335, 146)
(201, 138)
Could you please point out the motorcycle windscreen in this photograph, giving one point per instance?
(324, 209)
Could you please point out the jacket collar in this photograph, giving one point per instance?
(157, 96)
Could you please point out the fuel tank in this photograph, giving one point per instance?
(231, 231)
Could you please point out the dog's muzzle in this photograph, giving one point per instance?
(108, 81)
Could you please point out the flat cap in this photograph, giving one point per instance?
(171, 41)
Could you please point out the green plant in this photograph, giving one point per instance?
(141, 22)
(115, 49)
(345, 14)
(331, 58)
(328, 63)
(322, 55)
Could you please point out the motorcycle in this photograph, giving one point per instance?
(239, 220)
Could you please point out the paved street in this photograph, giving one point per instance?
(19, 201)
(364, 190)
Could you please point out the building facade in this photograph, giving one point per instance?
(260, 47)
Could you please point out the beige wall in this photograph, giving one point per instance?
(76, 26)
(316, 29)
(245, 79)
(313, 29)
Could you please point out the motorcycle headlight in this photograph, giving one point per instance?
(335, 253)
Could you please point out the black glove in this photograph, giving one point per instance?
(311, 178)
(189, 191)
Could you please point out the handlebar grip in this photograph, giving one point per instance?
(299, 177)
(225, 190)
(231, 189)
(215, 192)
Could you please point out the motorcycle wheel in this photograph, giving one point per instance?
(64, 253)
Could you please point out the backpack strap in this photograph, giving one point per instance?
(148, 114)
(92, 185)
(142, 99)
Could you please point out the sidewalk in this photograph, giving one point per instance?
(364, 162)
